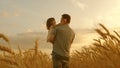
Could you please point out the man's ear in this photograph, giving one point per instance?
(65, 20)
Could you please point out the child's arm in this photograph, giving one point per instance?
(51, 39)
(51, 35)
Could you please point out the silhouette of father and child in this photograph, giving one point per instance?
(61, 36)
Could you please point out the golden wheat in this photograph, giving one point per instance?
(4, 37)
(3, 48)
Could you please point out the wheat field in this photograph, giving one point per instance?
(103, 53)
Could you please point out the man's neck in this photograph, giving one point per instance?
(62, 23)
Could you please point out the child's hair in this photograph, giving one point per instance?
(49, 22)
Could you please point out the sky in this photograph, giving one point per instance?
(23, 16)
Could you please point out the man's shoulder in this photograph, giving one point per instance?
(57, 26)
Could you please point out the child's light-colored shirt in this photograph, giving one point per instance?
(50, 33)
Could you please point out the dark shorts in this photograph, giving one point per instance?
(60, 61)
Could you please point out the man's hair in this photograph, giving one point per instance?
(67, 17)
(49, 22)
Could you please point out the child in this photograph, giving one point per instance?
(50, 24)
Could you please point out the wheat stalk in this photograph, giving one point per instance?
(6, 49)
(117, 34)
(4, 37)
(104, 35)
(36, 46)
(107, 31)
(10, 61)
(20, 51)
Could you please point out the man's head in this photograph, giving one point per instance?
(50, 22)
(65, 19)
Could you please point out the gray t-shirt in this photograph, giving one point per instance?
(64, 37)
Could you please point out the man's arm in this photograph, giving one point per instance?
(73, 38)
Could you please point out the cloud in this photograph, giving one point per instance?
(4, 14)
(16, 14)
(111, 19)
(9, 24)
(79, 4)
(9, 14)
(30, 30)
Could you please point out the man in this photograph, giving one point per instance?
(62, 37)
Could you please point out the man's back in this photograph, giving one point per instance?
(64, 36)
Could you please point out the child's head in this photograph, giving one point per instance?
(50, 22)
